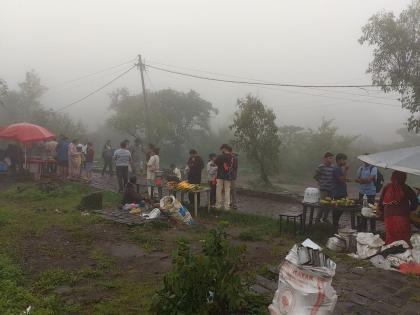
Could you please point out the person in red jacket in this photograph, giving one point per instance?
(396, 202)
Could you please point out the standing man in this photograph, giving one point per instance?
(153, 165)
(366, 177)
(107, 154)
(137, 155)
(122, 159)
(62, 156)
(324, 177)
(224, 164)
(195, 164)
(339, 183)
(212, 177)
(234, 175)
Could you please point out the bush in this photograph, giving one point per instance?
(208, 283)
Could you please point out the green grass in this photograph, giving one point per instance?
(29, 214)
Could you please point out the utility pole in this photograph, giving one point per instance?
(146, 109)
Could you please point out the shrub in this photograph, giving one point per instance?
(208, 283)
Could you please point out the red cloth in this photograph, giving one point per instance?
(397, 228)
(394, 193)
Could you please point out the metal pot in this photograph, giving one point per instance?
(336, 243)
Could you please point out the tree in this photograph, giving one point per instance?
(25, 105)
(396, 57)
(174, 117)
(304, 148)
(256, 133)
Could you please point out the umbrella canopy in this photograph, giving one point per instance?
(405, 160)
(25, 132)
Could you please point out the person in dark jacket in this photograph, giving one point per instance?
(107, 154)
(195, 165)
(225, 168)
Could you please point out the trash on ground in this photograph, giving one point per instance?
(304, 285)
(337, 243)
(171, 206)
(154, 214)
(368, 244)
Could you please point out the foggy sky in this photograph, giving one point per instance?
(303, 42)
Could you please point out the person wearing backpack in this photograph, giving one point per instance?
(225, 165)
(369, 179)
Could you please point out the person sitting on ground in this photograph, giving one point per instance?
(130, 193)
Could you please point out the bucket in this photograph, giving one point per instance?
(350, 236)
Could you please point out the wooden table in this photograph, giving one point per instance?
(353, 209)
(196, 193)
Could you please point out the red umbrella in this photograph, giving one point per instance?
(25, 132)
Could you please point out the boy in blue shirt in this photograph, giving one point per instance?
(366, 177)
(340, 180)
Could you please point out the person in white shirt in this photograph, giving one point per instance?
(211, 177)
(152, 167)
(122, 158)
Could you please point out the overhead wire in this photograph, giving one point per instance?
(274, 86)
(96, 90)
(93, 74)
(263, 83)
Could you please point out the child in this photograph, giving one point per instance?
(90, 153)
(211, 177)
(175, 171)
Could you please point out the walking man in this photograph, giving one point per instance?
(122, 159)
(324, 177)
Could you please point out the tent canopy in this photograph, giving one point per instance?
(405, 160)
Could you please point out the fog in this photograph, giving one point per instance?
(302, 42)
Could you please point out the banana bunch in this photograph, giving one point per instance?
(338, 202)
(186, 186)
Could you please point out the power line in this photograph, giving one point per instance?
(95, 91)
(93, 74)
(269, 82)
(261, 83)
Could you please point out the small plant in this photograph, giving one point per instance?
(208, 283)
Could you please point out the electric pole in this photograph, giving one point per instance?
(146, 109)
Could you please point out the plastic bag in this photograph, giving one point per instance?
(368, 244)
(176, 210)
(155, 213)
(304, 289)
(380, 262)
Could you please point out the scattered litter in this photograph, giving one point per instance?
(85, 214)
(57, 210)
(176, 210)
(415, 242)
(155, 213)
(380, 262)
(27, 311)
(368, 244)
(300, 285)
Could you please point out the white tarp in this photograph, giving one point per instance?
(405, 160)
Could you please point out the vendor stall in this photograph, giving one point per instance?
(27, 134)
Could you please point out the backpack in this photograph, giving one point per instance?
(379, 181)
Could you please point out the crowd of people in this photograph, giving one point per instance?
(395, 200)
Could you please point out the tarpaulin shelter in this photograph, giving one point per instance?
(405, 160)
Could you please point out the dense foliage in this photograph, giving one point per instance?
(206, 283)
(396, 56)
(173, 117)
(302, 149)
(24, 105)
(256, 134)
